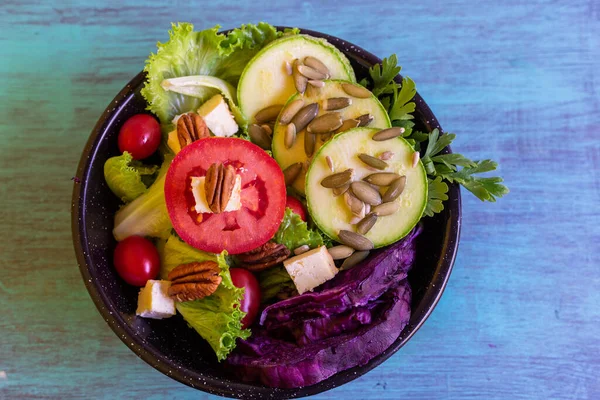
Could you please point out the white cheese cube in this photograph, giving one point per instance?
(217, 116)
(311, 269)
(235, 201)
(154, 301)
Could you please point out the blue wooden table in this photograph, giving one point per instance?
(518, 82)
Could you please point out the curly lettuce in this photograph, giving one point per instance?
(293, 232)
(146, 215)
(217, 318)
(208, 53)
(124, 176)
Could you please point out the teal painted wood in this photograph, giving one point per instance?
(518, 81)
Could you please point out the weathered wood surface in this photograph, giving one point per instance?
(518, 81)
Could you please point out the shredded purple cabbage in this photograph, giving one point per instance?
(344, 323)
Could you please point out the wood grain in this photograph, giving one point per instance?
(519, 83)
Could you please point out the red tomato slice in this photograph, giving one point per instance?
(263, 196)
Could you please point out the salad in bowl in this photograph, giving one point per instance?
(274, 201)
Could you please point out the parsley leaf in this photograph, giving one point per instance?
(402, 106)
(437, 192)
(437, 143)
(383, 75)
(446, 166)
(486, 189)
(397, 100)
(453, 160)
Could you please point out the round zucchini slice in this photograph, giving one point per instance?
(332, 214)
(333, 89)
(265, 80)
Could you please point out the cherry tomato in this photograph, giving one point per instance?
(251, 301)
(140, 135)
(136, 260)
(296, 206)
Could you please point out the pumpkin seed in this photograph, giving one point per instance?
(311, 73)
(259, 136)
(386, 155)
(288, 68)
(356, 91)
(354, 259)
(366, 223)
(269, 113)
(316, 64)
(415, 158)
(395, 190)
(387, 134)
(341, 190)
(290, 136)
(309, 143)
(355, 220)
(388, 208)
(300, 80)
(340, 252)
(364, 119)
(329, 163)
(347, 124)
(381, 178)
(336, 103)
(267, 129)
(325, 123)
(372, 161)
(356, 206)
(291, 173)
(305, 165)
(305, 116)
(302, 249)
(375, 187)
(338, 179)
(292, 109)
(355, 240)
(316, 83)
(366, 193)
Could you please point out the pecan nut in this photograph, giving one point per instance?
(263, 257)
(194, 281)
(191, 127)
(218, 186)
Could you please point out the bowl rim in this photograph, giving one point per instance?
(238, 389)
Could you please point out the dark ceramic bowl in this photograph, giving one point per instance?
(170, 346)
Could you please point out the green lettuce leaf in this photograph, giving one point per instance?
(146, 215)
(123, 176)
(188, 52)
(217, 318)
(293, 232)
(274, 281)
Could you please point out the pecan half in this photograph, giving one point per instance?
(191, 127)
(194, 281)
(218, 186)
(263, 257)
